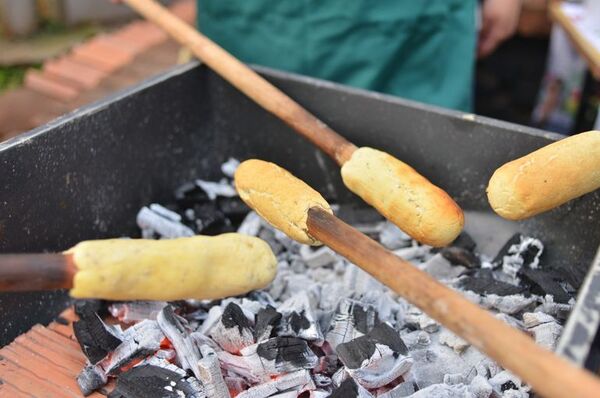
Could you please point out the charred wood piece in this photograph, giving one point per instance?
(95, 338)
(233, 331)
(174, 328)
(377, 358)
(156, 382)
(210, 374)
(135, 311)
(300, 380)
(279, 355)
(267, 319)
(299, 320)
(352, 319)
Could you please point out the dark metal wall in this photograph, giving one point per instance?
(85, 176)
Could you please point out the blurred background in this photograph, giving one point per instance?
(57, 55)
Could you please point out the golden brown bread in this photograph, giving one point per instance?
(279, 197)
(546, 178)
(403, 196)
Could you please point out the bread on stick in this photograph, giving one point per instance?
(403, 196)
(546, 178)
(200, 267)
(285, 204)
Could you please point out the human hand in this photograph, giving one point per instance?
(499, 21)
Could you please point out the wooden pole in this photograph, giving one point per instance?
(548, 374)
(247, 81)
(32, 272)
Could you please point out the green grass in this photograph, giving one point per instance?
(11, 76)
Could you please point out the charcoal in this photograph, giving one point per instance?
(543, 282)
(214, 189)
(416, 319)
(88, 308)
(190, 194)
(441, 268)
(135, 311)
(91, 378)
(298, 319)
(174, 328)
(392, 237)
(233, 208)
(267, 320)
(442, 391)
(461, 256)
(152, 381)
(251, 224)
(279, 355)
(139, 341)
(210, 374)
(229, 167)
(234, 331)
(508, 304)
(453, 341)
(483, 282)
(377, 358)
(298, 380)
(403, 389)
(464, 241)
(151, 222)
(349, 389)
(360, 282)
(320, 257)
(480, 387)
(452, 379)
(520, 252)
(352, 319)
(268, 236)
(95, 338)
(544, 328)
(209, 219)
(165, 212)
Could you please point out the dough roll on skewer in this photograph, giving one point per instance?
(384, 182)
(403, 196)
(550, 375)
(199, 267)
(546, 178)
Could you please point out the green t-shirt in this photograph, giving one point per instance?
(418, 49)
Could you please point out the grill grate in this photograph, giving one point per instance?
(44, 362)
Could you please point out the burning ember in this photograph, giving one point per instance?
(323, 328)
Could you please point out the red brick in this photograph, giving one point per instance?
(117, 44)
(143, 32)
(98, 55)
(48, 85)
(80, 75)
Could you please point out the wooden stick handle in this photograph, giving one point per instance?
(31, 272)
(247, 81)
(547, 373)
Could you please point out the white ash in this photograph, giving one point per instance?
(156, 223)
(135, 311)
(453, 341)
(210, 374)
(285, 340)
(222, 188)
(229, 167)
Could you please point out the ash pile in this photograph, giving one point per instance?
(323, 328)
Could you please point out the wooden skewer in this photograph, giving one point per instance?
(292, 206)
(30, 272)
(386, 183)
(247, 81)
(547, 373)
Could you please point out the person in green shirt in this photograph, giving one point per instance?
(418, 49)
